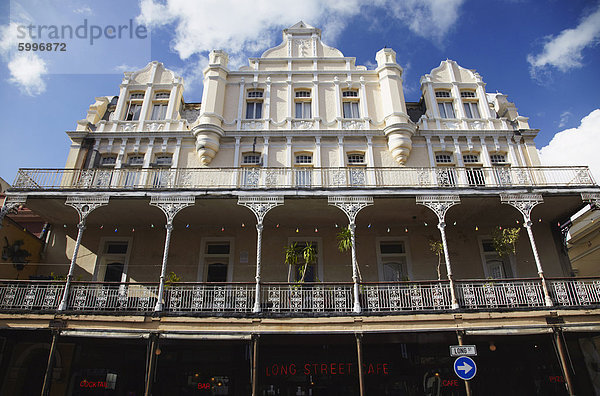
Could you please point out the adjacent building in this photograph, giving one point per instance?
(304, 230)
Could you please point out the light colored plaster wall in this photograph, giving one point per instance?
(383, 157)
(328, 104)
(464, 75)
(278, 102)
(419, 157)
(374, 106)
(532, 153)
(188, 158)
(73, 158)
(277, 154)
(232, 96)
(273, 66)
(331, 154)
(143, 77)
(302, 66)
(440, 75)
(224, 158)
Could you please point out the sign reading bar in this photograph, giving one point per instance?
(463, 350)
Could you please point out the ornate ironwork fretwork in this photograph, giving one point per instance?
(439, 203)
(85, 205)
(523, 202)
(260, 205)
(593, 198)
(350, 205)
(11, 202)
(171, 204)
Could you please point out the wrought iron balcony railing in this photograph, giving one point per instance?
(305, 178)
(297, 299)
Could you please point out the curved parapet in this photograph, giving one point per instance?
(399, 140)
(208, 139)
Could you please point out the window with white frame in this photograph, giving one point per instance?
(135, 160)
(356, 159)
(162, 95)
(467, 94)
(216, 261)
(108, 160)
(393, 261)
(446, 110)
(495, 267)
(159, 106)
(471, 110)
(475, 176)
(303, 170)
(442, 94)
(443, 158)
(498, 159)
(163, 160)
(303, 104)
(134, 106)
(350, 104)
(254, 102)
(251, 159)
(112, 261)
(470, 158)
(303, 159)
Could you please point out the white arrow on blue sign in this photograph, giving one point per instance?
(465, 368)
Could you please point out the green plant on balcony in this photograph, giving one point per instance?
(171, 279)
(293, 252)
(438, 249)
(344, 238)
(505, 240)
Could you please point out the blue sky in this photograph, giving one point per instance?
(545, 55)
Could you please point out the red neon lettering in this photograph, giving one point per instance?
(323, 368)
(385, 369)
(371, 370)
(284, 370)
(307, 368)
(292, 369)
(341, 368)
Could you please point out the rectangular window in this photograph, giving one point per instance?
(135, 160)
(253, 110)
(351, 110)
(442, 94)
(350, 94)
(108, 160)
(471, 110)
(159, 111)
(255, 94)
(443, 158)
(300, 270)
(303, 109)
(163, 160)
(216, 261)
(356, 159)
(496, 267)
(304, 159)
(303, 94)
(112, 261)
(393, 261)
(446, 110)
(251, 159)
(498, 159)
(470, 158)
(467, 94)
(162, 95)
(133, 112)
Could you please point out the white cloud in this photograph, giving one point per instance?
(564, 118)
(83, 11)
(576, 146)
(564, 51)
(26, 68)
(247, 28)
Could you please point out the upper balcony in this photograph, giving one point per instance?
(253, 178)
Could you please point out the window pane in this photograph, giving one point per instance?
(306, 112)
(257, 110)
(298, 110)
(449, 110)
(442, 110)
(250, 110)
(116, 248)
(220, 248)
(475, 110)
(347, 110)
(216, 273)
(355, 110)
(468, 110)
(113, 273)
(159, 112)
(392, 247)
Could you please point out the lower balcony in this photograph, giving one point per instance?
(297, 300)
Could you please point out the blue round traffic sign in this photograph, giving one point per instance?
(465, 368)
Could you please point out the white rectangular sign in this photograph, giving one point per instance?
(463, 350)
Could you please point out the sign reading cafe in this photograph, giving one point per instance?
(325, 368)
